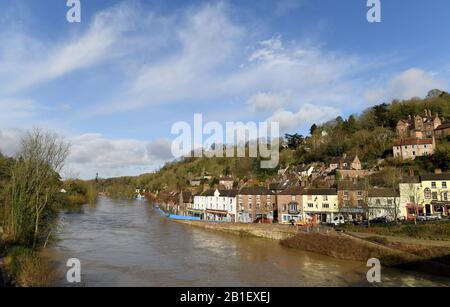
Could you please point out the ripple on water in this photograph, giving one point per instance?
(125, 243)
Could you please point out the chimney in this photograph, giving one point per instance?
(438, 171)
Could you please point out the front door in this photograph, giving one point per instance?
(428, 210)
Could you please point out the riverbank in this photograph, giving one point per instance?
(267, 231)
(426, 256)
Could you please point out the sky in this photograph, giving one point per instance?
(115, 83)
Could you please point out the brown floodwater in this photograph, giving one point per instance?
(129, 243)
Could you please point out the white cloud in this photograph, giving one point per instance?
(26, 61)
(410, 83)
(10, 141)
(306, 115)
(262, 102)
(92, 153)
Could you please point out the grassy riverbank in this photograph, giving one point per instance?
(439, 231)
(424, 256)
(427, 256)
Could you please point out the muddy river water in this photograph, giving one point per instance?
(128, 243)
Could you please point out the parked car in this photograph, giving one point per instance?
(434, 217)
(421, 218)
(338, 220)
(379, 220)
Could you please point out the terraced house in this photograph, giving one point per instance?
(290, 205)
(352, 199)
(320, 205)
(383, 202)
(255, 204)
(436, 193)
(215, 205)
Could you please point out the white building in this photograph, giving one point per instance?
(383, 203)
(216, 205)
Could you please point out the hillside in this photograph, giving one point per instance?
(370, 135)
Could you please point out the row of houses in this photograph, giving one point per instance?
(424, 195)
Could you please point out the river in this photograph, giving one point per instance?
(128, 243)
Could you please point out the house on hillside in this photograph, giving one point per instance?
(416, 135)
(443, 130)
(410, 149)
(226, 182)
(345, 163)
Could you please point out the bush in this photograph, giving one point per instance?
(28, 269)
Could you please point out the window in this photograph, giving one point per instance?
(346, 195)
(435, 196)
(412, 199)
(433, 185)
(326, 206)
(284, 207)
(346, 203)
(444, 184)
(310, 205)
(427, 193)
(390, 202)
(250, 206)
(445, 196)
(360, 203)
(378, 202)
(325, 198)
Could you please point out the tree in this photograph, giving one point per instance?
(294, 140)
(35, 183)
(313, 129)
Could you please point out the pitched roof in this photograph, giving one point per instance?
(382, 192)
(296, 190)
(255, 191)
(350, 186)
(319, 192)
(413, 141)
(445, 125)
(443, 176)
(223, 193)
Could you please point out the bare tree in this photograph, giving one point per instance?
(35, 181)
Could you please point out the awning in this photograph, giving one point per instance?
(222, 212)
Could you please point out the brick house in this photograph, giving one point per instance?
(352, 199)
(254, 203)
(410, 149)
(443, 130)
(290, 205)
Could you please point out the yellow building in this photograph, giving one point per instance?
(320, 205)
(436, 193)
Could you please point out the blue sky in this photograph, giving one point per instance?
(115, 83)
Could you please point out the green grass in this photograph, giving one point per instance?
(422, 230)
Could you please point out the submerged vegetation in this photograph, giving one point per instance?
(31, 194)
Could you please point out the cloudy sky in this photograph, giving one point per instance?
(114, 84)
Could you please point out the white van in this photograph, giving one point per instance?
(338, 220)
